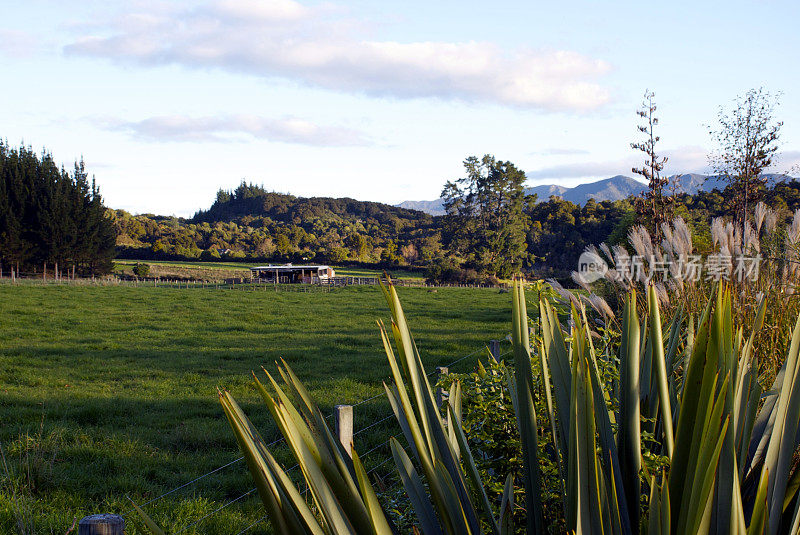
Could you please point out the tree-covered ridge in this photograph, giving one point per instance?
(250, 222)
(341, 230)
(51, 216)
(253, 200)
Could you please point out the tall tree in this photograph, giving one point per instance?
(747, 139)
(654, 207)
(486, 220)
(49, 215)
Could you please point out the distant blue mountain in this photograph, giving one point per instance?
(546, 191)
(435, 207)
(609, 189)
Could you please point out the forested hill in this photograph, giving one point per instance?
(251, 223)
(255, 201)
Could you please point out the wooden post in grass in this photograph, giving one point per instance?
(104, 524)
(494, 349)
(441, 371)
(343, 421)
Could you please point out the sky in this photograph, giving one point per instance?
(168, 102)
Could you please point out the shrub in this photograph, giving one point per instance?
(210, 255)
(141, 270)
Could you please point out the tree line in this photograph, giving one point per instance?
(51, 217)
(491, 228)
(554, 232)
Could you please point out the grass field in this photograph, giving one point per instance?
(186, 268)
(111, 391)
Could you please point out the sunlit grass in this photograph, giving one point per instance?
(125, 266)
(125, 380)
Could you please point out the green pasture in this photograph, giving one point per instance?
(340, 271)
(108, 391)
(189, 263)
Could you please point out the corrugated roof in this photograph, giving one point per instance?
(288, 267)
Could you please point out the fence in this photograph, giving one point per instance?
(344, 422)
(241, 284)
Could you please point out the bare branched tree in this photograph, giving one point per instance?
(747, 141)
(654, 207)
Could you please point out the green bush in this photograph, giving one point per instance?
(141, 270)
(490, 424)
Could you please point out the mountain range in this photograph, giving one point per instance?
(609, 189)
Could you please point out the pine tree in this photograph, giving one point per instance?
(48, 215)
(486, 218)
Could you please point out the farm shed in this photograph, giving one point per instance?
(288, 274)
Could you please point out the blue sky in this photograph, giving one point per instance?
(169, 101)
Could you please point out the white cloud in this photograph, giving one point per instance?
(285, 39)
(232, 127)
(17, 43)
(249, 10)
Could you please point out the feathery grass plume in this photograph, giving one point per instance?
(676, 274)
(792, 243)
(600, 305)
(606, 251)
(793, 232)
(751, 245)
(738, 241)
(718, 235)
(566, 295)
(760, 212)
(668, 243)
(621, 274)
(577, 278)
(642, 245)
(682, 237)
(662, 294)
(770, 222)
(640, 240)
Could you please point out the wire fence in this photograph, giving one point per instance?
(367, 455)
(222, 283)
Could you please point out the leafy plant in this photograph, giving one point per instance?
(141, 270)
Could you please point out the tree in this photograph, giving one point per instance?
(283, 245)
(357, 244)
(48, 215)
(653, 208)
(747, 139)
(485, 217)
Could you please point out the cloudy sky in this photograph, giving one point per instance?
(169, 101)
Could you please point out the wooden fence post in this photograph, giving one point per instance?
(494, 349)
(343, 421)
(104, 524)
(441, 371)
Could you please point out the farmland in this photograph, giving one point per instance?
(111, 391)
(222, 270)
